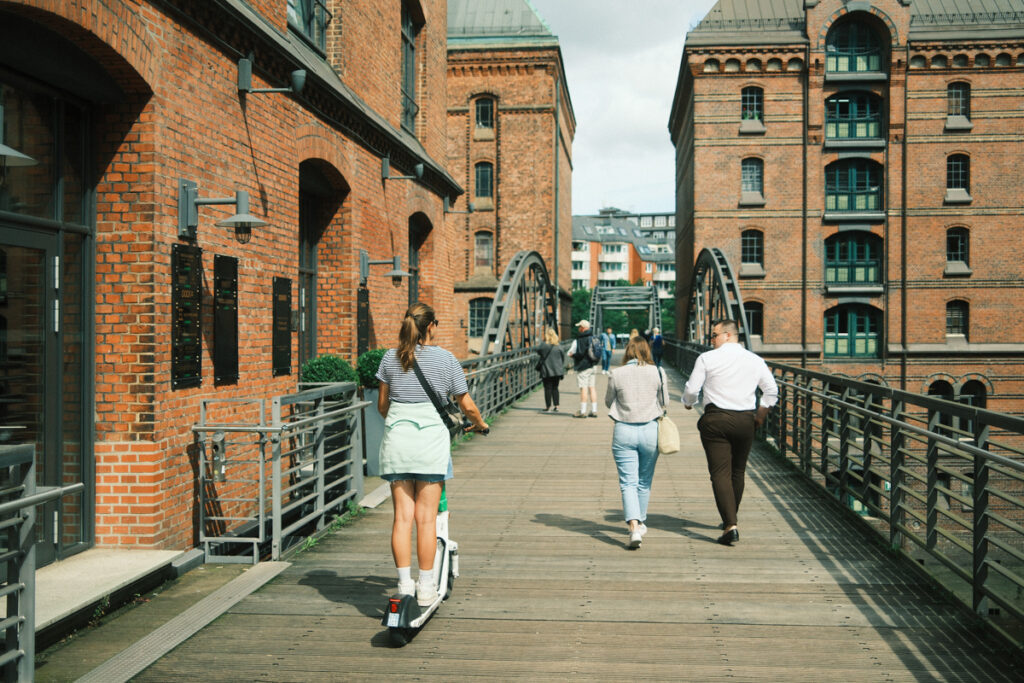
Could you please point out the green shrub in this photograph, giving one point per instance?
(366, 366)
(328, 368)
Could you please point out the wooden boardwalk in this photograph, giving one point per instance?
(549, 591)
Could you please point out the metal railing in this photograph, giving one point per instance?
(498, 380)
(19, 497)
(938, 480)
(272, 477)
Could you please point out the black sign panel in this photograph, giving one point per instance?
(225, 319)
(186, 300)
(362, 320)
(282, 327)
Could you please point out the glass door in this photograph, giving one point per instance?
(30, 396)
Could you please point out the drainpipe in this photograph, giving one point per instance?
(558, 297)
(903, 230)
(803, 215)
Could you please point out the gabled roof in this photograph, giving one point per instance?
(501, 21)
(753, 22)
(619, 229)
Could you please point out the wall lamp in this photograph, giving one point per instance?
(10, 157)
(297, 78)
(188, 212)
(385, 171)
(396, 273)
(447, 207)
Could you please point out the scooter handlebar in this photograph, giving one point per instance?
(467, 426)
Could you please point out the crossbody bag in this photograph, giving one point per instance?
(449, 412)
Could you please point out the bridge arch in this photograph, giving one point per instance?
(714, 295)
(524, 304)
(624, 299)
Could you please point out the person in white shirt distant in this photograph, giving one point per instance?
(729, 375)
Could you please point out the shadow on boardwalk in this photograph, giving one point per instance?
(549, 591)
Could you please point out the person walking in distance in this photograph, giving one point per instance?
(607, 346)
(729, 375)
(585, 352)
(551, 364)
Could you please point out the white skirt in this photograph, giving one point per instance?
(415, 440)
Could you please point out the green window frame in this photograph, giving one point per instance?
(853, 116)
(485, 113)
(479, 309)
(752, 175)
(853, 185)
(958, 172)
(851, 331)
(410, 31)
(484, 180)
(853, 258)
(852, 47)
(958, 245)
(957, 317)
(752, 247)
(958, 100)
(752, 104)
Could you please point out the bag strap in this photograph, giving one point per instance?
(445, 417)
(548, 354)
(664, 397)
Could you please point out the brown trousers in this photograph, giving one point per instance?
(727, 436)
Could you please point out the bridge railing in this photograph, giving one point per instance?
(498, 380)
(937, 479)
(267, 475)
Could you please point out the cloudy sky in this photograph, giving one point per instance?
(621, 62)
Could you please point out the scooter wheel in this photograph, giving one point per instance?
(400, 636)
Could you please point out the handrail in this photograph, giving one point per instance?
(939, 480)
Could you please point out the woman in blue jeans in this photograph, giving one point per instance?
(636, 399)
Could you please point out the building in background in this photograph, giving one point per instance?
(510, 129)
(616, 245)
(111, 295)
(853, 160)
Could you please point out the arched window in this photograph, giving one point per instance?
(958, 178)
(419, 231)
(852, 47)
(958, 242)
(752, 181)
(755, 317)
(851, 330)
(973, 393)
(484, 180)
(485, 113)
(940, 420)
(752, 247)
(752, 104)
(479, 309)
(483, 251)
(852, 116)
(853, 185)
(957, 317)
(958, 100)
(853, 258)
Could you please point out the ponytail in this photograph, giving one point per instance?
(413, 331)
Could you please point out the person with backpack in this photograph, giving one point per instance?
(586, 352)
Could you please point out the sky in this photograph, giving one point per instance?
(621, 64)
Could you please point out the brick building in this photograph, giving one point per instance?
(124, 106)
(617, 245)
(510, 132)
(851, 160)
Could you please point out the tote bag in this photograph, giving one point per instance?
(668, 435)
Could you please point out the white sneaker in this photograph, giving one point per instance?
(642, 529)
(635, 539)
(407, 587)
(426, 594)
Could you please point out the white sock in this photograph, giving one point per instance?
(404, 574)
(593, 407)
(583, 407)
(426, 577)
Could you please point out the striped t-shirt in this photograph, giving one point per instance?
(440, 367)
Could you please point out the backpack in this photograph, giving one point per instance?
(593, 351)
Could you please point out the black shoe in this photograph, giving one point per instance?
(729, 537)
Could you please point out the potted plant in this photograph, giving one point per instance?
(366, 367)
(326, 369)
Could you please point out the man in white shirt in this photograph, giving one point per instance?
(729, 376)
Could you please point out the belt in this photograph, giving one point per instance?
(712, 407)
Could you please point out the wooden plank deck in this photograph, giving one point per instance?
(549, 591)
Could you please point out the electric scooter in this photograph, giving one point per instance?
(404, 616)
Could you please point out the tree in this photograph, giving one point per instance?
(580, 305)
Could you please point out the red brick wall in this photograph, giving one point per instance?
(710, 148)
(186, 120)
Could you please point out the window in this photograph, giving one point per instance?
(648, 267)
(479, 309)
(483, 258)
(853, 185)
(310, 19)
(852, 48)
(958, 100)
(851, 330)
(752, 247)
(853, 258)
(752, 110)
(957, 252)
(579, 284)
(581, 246)
(485, 113)
(578, 265)
(956, 317)
(410, 29)
(853, 116)
(973, 393)
(611, 248)
(755, 317)
(958, 178)
(752, 181)
(940, 421)
(485, 180)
